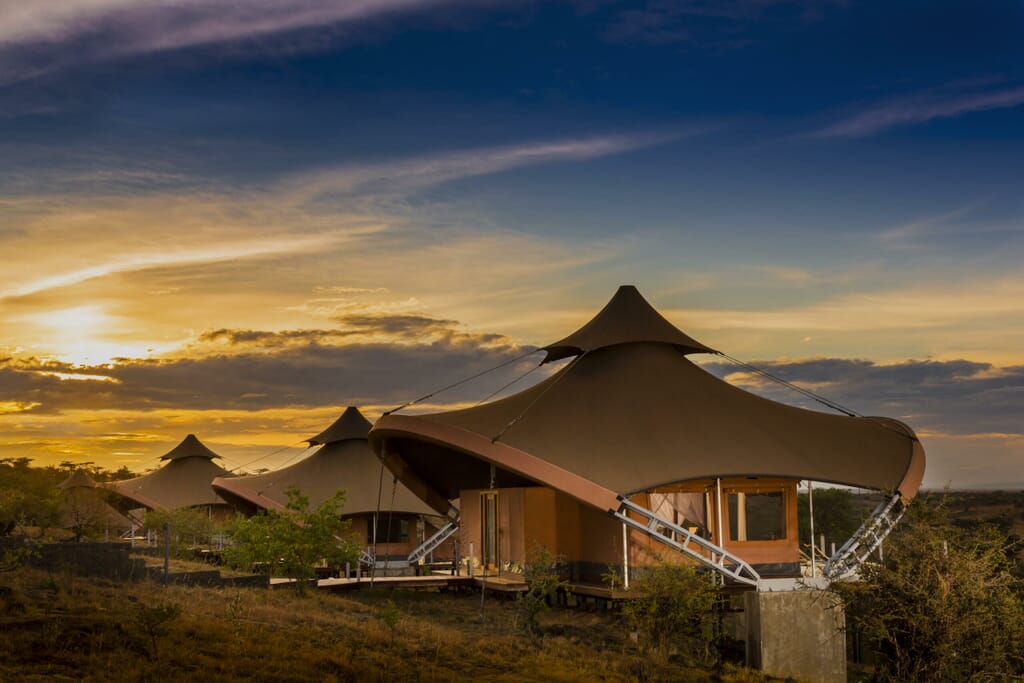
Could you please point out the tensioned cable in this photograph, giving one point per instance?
(491, 395)
(295, 457)
(561, 373)
(806, 392)
(462, 381)
(816, 397)
(275, 452)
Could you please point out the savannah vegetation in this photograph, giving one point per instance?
(291, 543)
(59, 626)
(947, 603)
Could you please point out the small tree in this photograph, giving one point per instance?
(83, 511)
(188, 527)
(293, 542)
(836, 515)
(944, 606)
(543, 581)
(674, 610)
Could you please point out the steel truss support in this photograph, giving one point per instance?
(429, 545)
(690, 544)
(848, 559)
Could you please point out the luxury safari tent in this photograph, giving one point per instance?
(388, 518)
(83, 510)
(184, 482)
(630, 451)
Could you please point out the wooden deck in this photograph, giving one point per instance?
(501, 583)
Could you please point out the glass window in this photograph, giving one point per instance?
(757, 516)
(397, 532)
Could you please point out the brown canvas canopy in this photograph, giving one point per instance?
(190, 447)
(81, 505)
(79, 479)
(630, 413)
(183, 482)
(344, 461)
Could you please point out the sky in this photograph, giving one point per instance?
(235, 218)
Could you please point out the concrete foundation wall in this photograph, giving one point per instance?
(796, 634)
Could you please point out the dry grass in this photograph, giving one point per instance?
(60, 627)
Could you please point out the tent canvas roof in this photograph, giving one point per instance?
(344, 461)
(350, 425)
(190, 447)
(628, 317)
(631, 414)
(78, 479)
(183, 482)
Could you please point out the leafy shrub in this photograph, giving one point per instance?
(291, 543)
(188, 527)
(543, 581)
(674, 611)
(155, 622)
(389, 614)
(944, 606)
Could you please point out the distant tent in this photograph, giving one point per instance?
(343, 461)
(79, 479)
(183, 482)
(81, 507)
(630, 416)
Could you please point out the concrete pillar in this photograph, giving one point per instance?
(797, 634)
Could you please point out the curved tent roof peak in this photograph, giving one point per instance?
(626, 318)
(351, 425)
(190, 447)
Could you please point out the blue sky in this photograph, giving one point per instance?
(220, 186)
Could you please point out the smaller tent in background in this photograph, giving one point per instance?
(345, 461)
(184, 482)
(84, 512)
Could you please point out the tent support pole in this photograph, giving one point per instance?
(810, 512)
(625, 557)
(718, 498)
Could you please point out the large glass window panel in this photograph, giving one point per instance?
(757, 516)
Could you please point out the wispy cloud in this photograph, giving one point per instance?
(407, 175)
(102, 29)
(716, 24)
(968, 223)
(893, 309)
(208, 254)
(941, 103)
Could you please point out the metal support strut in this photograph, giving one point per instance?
(429, 545)
(847, 560)
(688, 543)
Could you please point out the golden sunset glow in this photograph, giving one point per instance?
(238, 227)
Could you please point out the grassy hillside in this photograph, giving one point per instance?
(57, 626)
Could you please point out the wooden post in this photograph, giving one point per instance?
(167, 550)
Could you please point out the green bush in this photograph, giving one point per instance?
(293, 542)
(674, 611)
(543, 581)
(945, 605)
(189, 527)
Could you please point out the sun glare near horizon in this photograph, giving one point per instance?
(75, 335)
